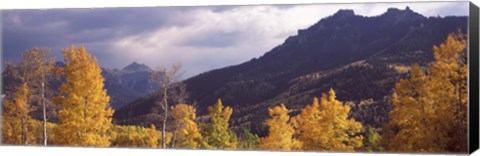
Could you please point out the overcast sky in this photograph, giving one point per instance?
(201, 38)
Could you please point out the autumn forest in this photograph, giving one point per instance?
(349, 82)
(429, 112)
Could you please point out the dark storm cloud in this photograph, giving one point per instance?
(57, 28)
(201, 38)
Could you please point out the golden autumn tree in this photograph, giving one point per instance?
(217, 133)
(186, 134)
(430, 107)
(36, 63)
(83, 110)
(168, 79)
(42, 63)
(280, 131)
(413, 115)
(451, 70)
(326, 126)
(15, 118)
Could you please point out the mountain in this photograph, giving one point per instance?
(360, 57)
(128, 84)
(123, 86)
(134, 66)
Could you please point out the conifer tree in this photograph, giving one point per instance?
(83, 104)
(280, 131)
(217, 133)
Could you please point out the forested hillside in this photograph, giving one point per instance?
(361, 57)
(396, 82)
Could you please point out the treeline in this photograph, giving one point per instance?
(429, 112)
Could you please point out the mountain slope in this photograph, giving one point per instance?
(360, 57)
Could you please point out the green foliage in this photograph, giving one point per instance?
(218, 134)
(248, 140)
(371, 141)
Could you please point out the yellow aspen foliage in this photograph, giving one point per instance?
(430, 108)
(15, 127)
(134, 136)
(35, 131)
(449, 75)
(18, 106)
(83, 110)
(42, 64)
(217, 133)
(280, 131)
(11, 127)
(326, 127)
(186, 134)
(413, 114)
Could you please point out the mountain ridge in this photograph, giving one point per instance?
(357, 56)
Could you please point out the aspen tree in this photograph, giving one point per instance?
(430, 107)
(326, 126)
(217, 133)
(187, 134)
(32, 64)
(168, 79)
(280, 131)
(83, 105)
(15, 118)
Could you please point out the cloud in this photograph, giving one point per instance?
(201, 38)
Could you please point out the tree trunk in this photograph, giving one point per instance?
(24, 131)
(173, 139)
(25, 127)
(44, 113)
(85, 118)
(164, 145)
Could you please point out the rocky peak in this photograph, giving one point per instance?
(344, 12)
(404, 15)
(134, 66)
